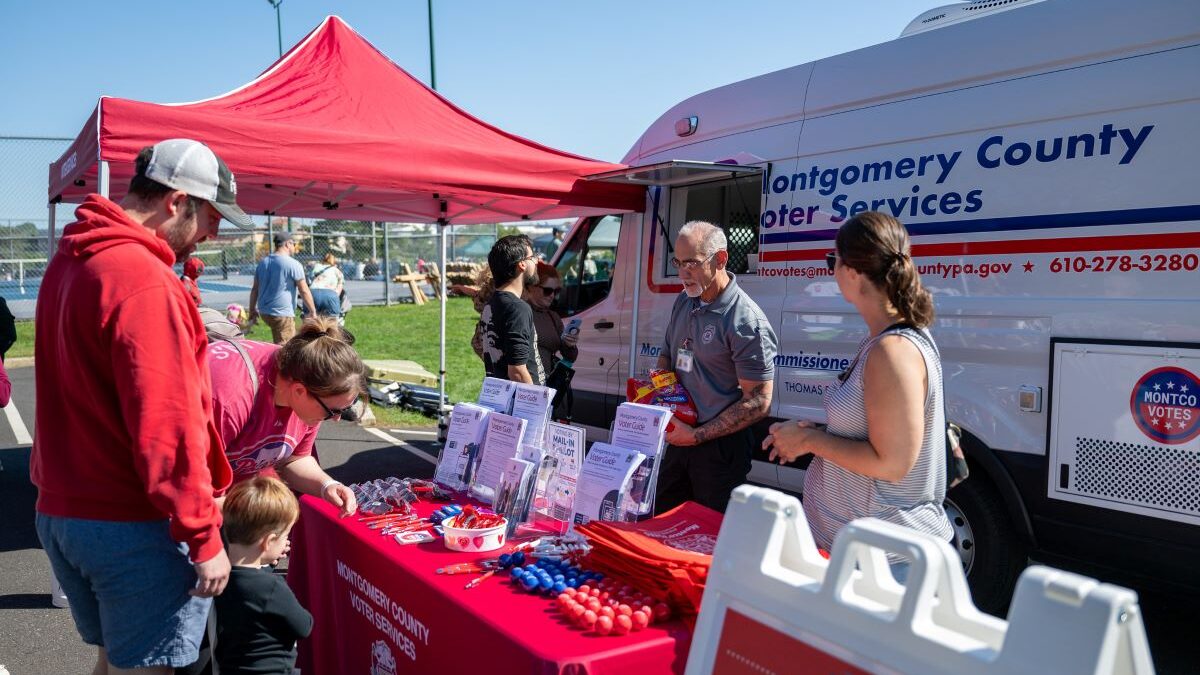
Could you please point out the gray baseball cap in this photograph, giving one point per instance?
(190, 166)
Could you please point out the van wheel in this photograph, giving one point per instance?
(993, 555)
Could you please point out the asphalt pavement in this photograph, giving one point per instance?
(37, 639)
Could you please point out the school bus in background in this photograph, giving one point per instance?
(1042, 155)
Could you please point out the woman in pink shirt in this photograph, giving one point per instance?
(268, 417)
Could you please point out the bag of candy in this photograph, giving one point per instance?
(663, 389)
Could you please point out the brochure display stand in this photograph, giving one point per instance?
(643, 428)
(772, 603)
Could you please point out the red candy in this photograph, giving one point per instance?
(640, 620)
(607, 611)
(577, 610)
(648, 613)
(585, 589)
(662, 612)
(624, 609)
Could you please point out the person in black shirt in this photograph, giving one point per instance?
(258, 617)
(510, 340)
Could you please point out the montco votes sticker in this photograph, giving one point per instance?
(1165, 405)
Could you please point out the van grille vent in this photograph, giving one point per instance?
(1156, 477)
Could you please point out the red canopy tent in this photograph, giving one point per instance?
(335, 129)
(335, 125)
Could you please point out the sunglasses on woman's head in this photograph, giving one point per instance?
(831, 260)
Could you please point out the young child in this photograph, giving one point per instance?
(258, 618)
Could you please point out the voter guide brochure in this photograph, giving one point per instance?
(468, 422)
(497, 394)
(642, 427)
(604, 482)
(531, 402)
(501, 443)
(566, 444)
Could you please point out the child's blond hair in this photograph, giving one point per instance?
(258, 507)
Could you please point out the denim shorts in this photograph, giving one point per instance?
(128, 585)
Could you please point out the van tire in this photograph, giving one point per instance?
(984, 536)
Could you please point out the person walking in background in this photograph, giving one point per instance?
(269, 402)
(126, 478)
(510, 340)
(328, 285)
(8, 329)
(552, 246)
(259, 619)
(883, 452)
(192, 269)
(277, 280)
(722, 349)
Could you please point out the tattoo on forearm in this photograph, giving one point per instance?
(737, 416)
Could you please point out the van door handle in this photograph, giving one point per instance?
(603, 325)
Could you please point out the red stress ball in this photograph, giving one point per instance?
(604, 625)
(588, 620)
(577, 611)
(646, 612)
(607, 611)
(662, 612)
(624, 609)
(640, 620)
(622, 624)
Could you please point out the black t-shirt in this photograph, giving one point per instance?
(509, 337)
(258, 623)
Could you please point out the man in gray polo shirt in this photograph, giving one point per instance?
(722, 348)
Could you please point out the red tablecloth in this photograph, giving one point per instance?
(380, 608)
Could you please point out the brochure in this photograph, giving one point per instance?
(502, 443)
(532, 403)
(566, 444)
(604, 483)
(642, 427)
(467, 426)
(513, 493)
(497, 394)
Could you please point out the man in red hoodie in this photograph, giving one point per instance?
(127, 468)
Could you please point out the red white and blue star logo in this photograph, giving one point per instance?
(1165, 405)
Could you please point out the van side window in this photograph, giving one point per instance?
(735, 205)
(587, 263)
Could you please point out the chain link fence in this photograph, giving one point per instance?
(369, 254)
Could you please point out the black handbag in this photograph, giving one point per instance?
(559, 380)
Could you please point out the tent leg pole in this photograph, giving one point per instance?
(387, 263)
(50, 232)
(442, 308)
(102, 179)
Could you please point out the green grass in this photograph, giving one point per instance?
(398, 332)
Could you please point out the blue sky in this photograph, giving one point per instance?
(586, 77)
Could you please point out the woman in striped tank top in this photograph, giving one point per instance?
(882, 453)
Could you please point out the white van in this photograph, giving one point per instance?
(1044, 156)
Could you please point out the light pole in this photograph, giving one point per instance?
(278, 23)
(432, 68)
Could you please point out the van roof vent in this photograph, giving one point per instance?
(959, 12)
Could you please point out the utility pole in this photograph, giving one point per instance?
(432, 66)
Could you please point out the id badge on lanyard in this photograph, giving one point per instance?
(683, 356)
